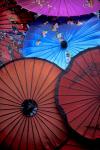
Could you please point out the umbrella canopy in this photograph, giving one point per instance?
(71, 144)
(59, 43)
(12, 17)
(60, 7)
(10, 45)
(10, 21)
(79, 93)
(13, 25)
(29, 118)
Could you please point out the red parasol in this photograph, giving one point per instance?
(9, 21)
(13, 18)
(73, 145)
(29, 118)
(79, 93)
(13, 24)
(10, 45)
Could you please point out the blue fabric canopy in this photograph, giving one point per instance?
(59, 43)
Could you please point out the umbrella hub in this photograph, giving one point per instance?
(64, 44)
(29, 107)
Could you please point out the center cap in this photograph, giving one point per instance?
(29, 107)
(64, 44)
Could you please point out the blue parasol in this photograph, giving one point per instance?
(59, 43)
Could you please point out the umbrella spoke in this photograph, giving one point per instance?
(44, 132)
(32, 79)
(16, 113)
(9, 100)
(77, 89)
(41, 118)
(91, 88)
(97, 123)
(22, 134)
(19, 79)
(76, 101)
(95, 65)
(82, 106)
(7, 136)
(14, 138)
(92, 118)
(37, 82)
(33, 134)
(2, 130)
(10, 88)
(41, 99)
(50, 115)
(92, 108)
(9, 113)
(9, 95)
(42, 95)
(13, 82)
(81, 84)
(26, 79)
(96, 83)
(46, 78)
(92, 85)
(38, 131)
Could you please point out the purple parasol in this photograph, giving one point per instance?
(61, 7)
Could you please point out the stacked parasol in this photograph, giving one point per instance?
(49, 86)
(13, 25)
(10, 45)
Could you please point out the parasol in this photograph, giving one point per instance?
(13, 18)
(10, 45)
(71, 144)
(29, 118)
(10, 21)
(58, 43)
(13, 25)
(79, 93)
(60, 7)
